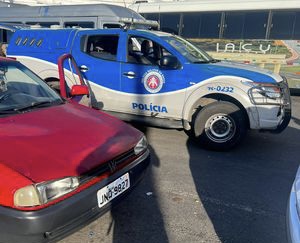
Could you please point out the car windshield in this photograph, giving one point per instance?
(191, 52)
(21, 90)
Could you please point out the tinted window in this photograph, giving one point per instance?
(144, 51)
(151, 16)
(247, 25)
(255, 25)
(234, 25)
(191, 25)
(102, 46)
(111, 26)
(2, 36)
(43, 24)
(13, 22)
(170, 23)
(297, 27)
(210, 25)
(5, 35)
(282, 25)
(79, 24)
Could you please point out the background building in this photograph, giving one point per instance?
(266, 33)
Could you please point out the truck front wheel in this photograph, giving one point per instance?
(219, 126)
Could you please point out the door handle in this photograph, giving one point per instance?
(83, 68)
(130, 74)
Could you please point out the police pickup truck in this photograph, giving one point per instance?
(162, 80)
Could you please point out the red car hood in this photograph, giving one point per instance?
(64, 140)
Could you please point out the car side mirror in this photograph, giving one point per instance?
(169, 62)
(79, 89)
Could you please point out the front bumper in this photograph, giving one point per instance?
(59, 220)
(273, 115)
(284, 122)
(292, 219)
(286, 108)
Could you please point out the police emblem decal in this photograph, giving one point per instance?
(153, 81)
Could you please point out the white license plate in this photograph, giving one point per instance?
(112, 190)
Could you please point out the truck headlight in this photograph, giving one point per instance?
(141, 145)
(268, 90)
(297, 191)
(42, 193)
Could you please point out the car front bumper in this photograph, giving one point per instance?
(59, 220)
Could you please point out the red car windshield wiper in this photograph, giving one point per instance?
(39, 104)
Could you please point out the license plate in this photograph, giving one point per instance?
(112, 190)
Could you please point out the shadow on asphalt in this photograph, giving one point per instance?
(245, 191)
(129, 217)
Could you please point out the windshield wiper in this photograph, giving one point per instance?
(203, 61)
(8, 112)
(215, 60)
(39, 104)
(208, 61)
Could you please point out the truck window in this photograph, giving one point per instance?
(79, 25)
(43, 24)
(188, 50)
(111, 26)
(102, 46)
(144, 51)
(3, 47)
(5, 35)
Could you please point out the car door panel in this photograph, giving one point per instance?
(153, 91)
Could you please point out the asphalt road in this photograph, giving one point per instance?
(193, 195)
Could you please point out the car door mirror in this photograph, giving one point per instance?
(169, 62)
(79, 89)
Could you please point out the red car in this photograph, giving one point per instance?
(61, 164)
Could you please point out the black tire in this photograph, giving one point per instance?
(219, 126)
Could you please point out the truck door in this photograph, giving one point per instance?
(97, 57)
(151, 89)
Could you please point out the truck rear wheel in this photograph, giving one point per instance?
(219, 126)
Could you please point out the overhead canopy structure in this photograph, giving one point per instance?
(63, 2)
(212, 5)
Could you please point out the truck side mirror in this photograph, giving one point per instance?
(79, 89)
(169, 62)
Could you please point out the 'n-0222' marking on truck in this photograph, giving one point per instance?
(149, 107)
(226, 89)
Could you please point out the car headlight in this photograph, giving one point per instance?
(268, 90)
(297, 191)
(141, 145)
(42, 193)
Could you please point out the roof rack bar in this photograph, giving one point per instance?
(129, 22)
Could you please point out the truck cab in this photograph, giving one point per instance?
(163, 80)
